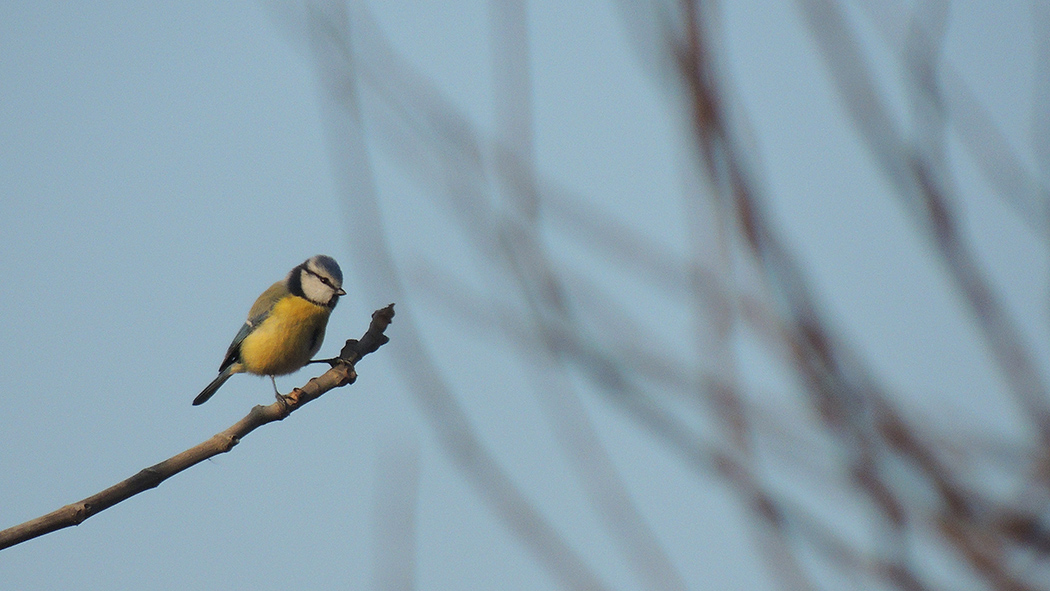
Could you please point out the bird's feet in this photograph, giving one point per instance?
(289, 399)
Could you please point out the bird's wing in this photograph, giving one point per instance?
(260, 310)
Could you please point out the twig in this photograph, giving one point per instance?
(341, 374)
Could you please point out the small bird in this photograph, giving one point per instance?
(285, 326)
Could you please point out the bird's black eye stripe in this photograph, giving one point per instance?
(324, 280)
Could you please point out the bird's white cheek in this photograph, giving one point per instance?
(315, 290)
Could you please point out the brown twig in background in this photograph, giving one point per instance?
(839, 425)
(341, 374)
(332, 33)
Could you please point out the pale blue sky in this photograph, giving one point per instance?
(162, 165)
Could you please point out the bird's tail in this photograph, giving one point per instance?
(215, 385)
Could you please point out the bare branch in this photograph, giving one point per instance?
(341, 374)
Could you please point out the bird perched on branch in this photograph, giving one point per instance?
(285, 326)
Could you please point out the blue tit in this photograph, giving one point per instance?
(285, 326)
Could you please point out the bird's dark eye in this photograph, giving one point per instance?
(326, 281)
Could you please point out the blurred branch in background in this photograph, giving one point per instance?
(331, 34)
(394, 531)
(936, 508)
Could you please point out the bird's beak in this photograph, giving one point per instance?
(340, 292)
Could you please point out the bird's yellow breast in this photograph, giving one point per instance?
(287, 339)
